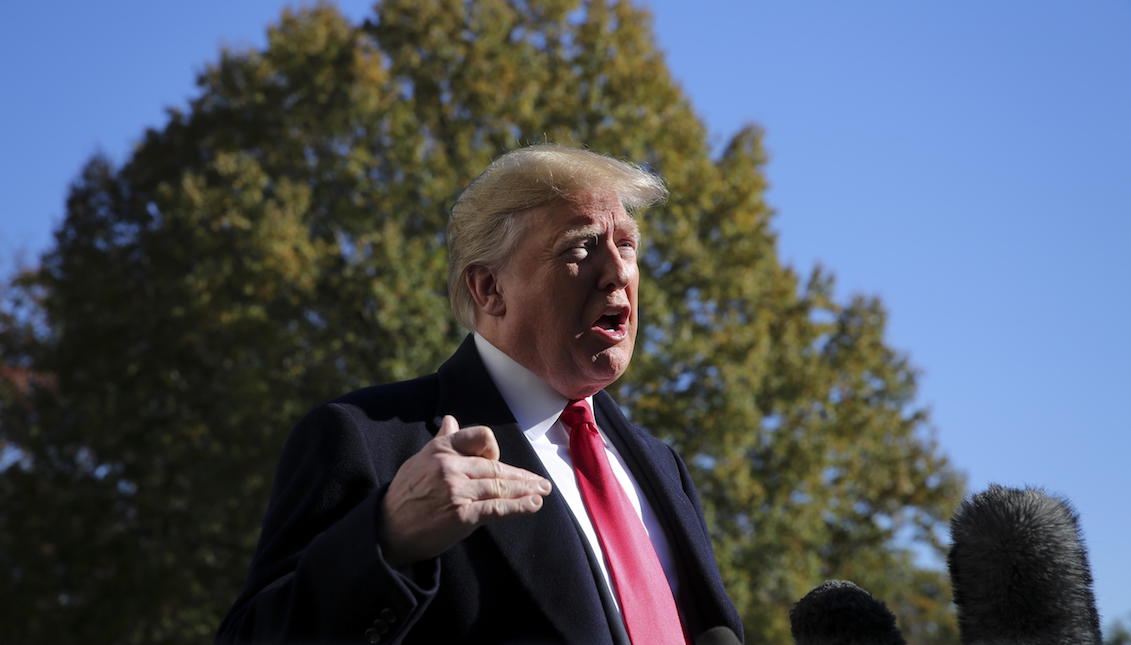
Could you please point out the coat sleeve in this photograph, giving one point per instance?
(318, 574)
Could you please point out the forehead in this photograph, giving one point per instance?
(590, 211)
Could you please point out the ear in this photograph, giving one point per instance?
(485, 289)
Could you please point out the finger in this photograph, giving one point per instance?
(478, 468)
(476, 441)
(448, 426)
(484, 489)
(493, 509)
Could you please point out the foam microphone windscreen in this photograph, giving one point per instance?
(720, 635)
(1020, 571)
(840, 613)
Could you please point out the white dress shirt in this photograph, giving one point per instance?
(536, 407)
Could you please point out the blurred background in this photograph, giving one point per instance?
(960, 170)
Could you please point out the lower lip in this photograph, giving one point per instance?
(611, 335)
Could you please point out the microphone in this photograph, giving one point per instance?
(718, 635)
(840, 613)
(1020, 571)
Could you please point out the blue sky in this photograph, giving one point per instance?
(968, 163)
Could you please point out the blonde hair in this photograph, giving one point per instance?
(484, 228)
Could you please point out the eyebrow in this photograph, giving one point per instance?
(596, 230)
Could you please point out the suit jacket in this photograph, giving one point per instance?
(319, 576)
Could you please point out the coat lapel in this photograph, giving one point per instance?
(544, 550)
(654, 467)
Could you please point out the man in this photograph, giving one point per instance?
(547, 517)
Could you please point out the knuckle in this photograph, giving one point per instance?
(451, 483)
(447, 464)
(466, 515)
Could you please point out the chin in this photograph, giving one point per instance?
(610, 364)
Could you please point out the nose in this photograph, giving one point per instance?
(616, 270)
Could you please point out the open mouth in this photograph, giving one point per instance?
(612, 322)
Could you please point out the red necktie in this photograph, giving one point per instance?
(646, 601)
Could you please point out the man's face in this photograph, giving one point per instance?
(569, 292)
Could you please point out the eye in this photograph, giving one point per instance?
(576, 253)
(581, 249)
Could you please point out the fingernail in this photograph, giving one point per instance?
(544, 487)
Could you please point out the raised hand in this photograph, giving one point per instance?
(452, 486)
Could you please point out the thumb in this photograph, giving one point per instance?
(448, 426)
(476, 441)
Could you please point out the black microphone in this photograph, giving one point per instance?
(1020, 571)
(840, 613)
(719, 635)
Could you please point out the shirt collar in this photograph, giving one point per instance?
(534, 404)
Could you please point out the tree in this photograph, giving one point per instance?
(281, 241)
(1118, 632)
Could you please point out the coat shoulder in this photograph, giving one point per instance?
(404, 401)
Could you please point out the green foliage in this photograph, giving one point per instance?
(281, 242)
(1118, 632)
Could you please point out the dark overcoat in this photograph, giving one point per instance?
(319, 576)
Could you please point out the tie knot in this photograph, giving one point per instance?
(578, 414)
